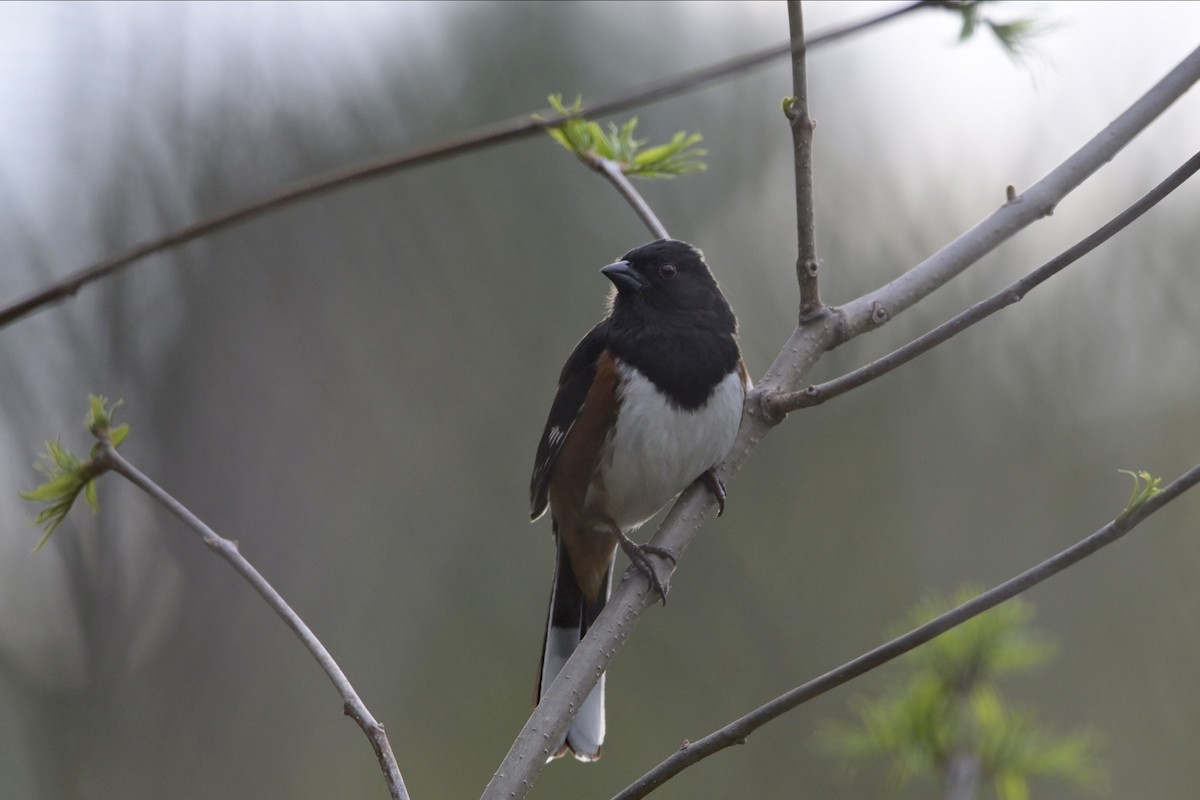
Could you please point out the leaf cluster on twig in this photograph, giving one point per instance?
(68, 475)
(589, 141)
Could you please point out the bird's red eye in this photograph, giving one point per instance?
(667, 271)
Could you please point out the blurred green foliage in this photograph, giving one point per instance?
(949, 710)
(1014, 36)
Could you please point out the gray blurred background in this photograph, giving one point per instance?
(353, 387)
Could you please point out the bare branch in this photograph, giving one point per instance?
(354, 707)
(796, 110)
(808, 342)
(819, 393)
(496, 133)
(737, 731)
(874, 309)
(612, 170)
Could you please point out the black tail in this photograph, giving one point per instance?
(569, 619)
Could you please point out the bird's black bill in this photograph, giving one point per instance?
(623, 275)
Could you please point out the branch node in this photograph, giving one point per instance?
(879, 313)
(1010, 194)
(841, 327)
(815, 313)
(770, 406)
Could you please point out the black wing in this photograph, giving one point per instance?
(573, 384)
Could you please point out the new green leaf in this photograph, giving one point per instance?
(590, 142)
(1145, 486)
(68, 475)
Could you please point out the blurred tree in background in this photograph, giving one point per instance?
(947, 720)
(352, 387)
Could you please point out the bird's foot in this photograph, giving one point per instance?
(716, 487)
(639, 556)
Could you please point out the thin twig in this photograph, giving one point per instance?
(819, 393)
(488, 135)
(802, 125)
(737, 731)
(612, 170)
(353, 705)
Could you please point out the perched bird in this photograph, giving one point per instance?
(648, 402)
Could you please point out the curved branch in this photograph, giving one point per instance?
(354, 707)
(819, 393)
(496, 133)
(737, 731)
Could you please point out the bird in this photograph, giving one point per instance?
(649, 401)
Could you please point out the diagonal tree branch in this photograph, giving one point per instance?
(496, 133)
(811, 339)
(108, 457)
(737, 731)
(819, 393)
(874, 309)
(612, 170)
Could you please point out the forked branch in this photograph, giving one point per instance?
(819, 393)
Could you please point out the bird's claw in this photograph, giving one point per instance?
(639, 556)
(716, 487)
